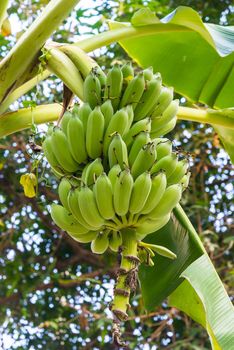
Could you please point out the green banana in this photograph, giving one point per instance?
(163, 251)
(141, 125)
(63, 190)
(92, 90)
(133, 91)
(117, 152)
(130, 113)
(100, 75)
(83, 113)
(114, 174)
(115, 241)
(167, 164)
(163, 147)
(148, 73)
(114, 83)
(82, 61)
(163, 101)
(48, 152)
(180, 170)
(148, 99)
(64, 121)
(164, 129)
(185, 180)
(118, 123)
(76, 139)
(74, 208)
(107, 111)
(86, 238)
(168, 114)
(50, 129)
(103, 193)
(94, 133)
(75, 110)
(140, 140)
(93, 170)
(88, 207)
(100, 243)
(122, 192)
(61, 151)
(65, 220)
(149, 226)
(61, 65)
(140, 192)
(127, 71)
(144, 160)
(158, 187)
(169, 200)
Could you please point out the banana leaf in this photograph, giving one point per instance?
(166, 273)
(196, 59)
(181, 279)
(204, 299)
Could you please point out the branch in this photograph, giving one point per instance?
(15, 297)
(24, 118)
(26, 49)
(208, 116)
(115, 35)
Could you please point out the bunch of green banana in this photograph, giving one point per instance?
(119, 179)
(139, 196)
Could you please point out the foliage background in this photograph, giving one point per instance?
(54, 292)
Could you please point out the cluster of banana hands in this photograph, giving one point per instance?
(117, 176)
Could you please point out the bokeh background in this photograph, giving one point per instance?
(54, 293)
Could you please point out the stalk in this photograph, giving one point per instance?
(25, 117)
(126, 281)
(207, 116)
(129, 31)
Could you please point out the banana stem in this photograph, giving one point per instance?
(206, 116)
(126, 282)
(127, 277)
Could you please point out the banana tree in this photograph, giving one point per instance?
(197, 60)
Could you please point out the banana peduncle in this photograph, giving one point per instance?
(126, 281)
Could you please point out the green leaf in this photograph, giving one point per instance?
(144, 16)
(227, 137)
(197, 289)
(166, 272)
(223, 37)
(203, 297)
(182, 40)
